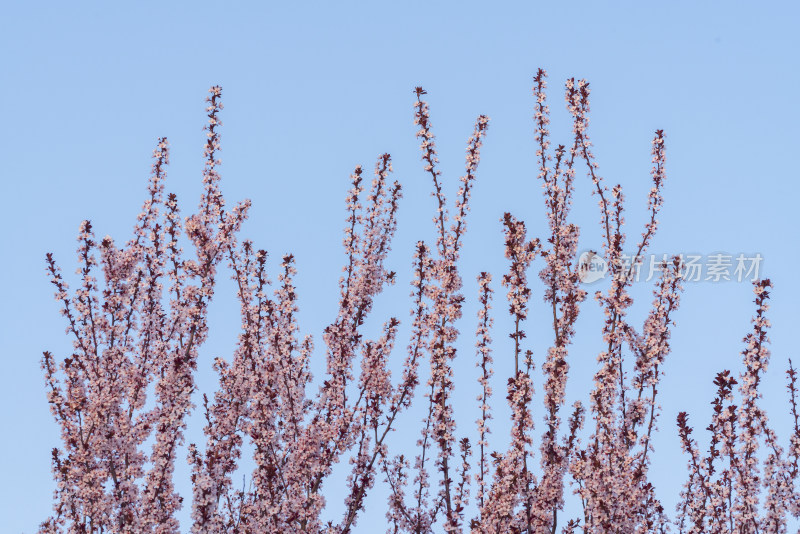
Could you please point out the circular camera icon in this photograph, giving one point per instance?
(591, 267)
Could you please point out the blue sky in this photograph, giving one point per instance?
(313, 89)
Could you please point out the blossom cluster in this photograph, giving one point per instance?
(122, 397)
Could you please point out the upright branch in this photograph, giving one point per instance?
(651, 348)
(611, 470)
(443, 293)
(430, 159)
(263, 391)
(751, 418)
(562, 292)
(132, 337)
(794, 442)
(748, 492)
(484, 363)
(520, 252)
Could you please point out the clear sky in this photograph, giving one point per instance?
(313, 89)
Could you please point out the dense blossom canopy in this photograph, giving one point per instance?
(123, 396)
